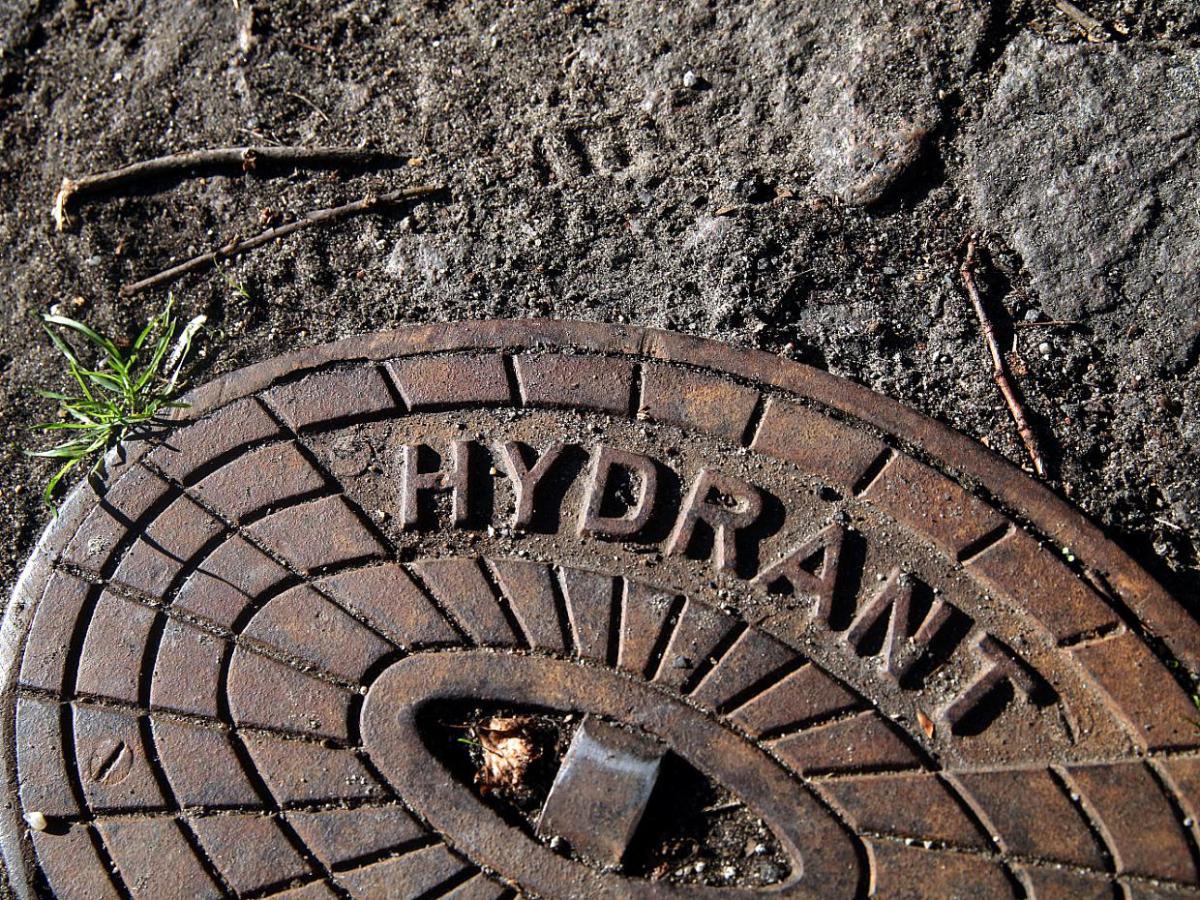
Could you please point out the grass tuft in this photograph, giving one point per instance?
(123, 393)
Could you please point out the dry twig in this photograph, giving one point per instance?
(309, 220)
(1092, 28)
(1048, 323)
(230, 160)
(999, 368)
(320, 112)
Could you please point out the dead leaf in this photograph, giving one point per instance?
(725, 210)
(783, 193)
(926, 724)
(508, 751)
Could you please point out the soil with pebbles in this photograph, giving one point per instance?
(796, 177)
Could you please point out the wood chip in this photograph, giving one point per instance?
(926, 724)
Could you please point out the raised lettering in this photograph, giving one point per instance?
(525, 479)
(810, 570)
(970, 711)
(725, 504)
(592, 521)
(456, 480)
(893, 602)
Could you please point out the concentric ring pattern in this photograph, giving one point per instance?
(190, 654)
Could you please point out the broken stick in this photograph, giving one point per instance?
(309, 220)
(230, 160)
(999, 366)
(1048, 323)
(1092, 28)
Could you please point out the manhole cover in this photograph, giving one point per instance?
(571, 610)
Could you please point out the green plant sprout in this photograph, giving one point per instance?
(125, 393)
(237, 287)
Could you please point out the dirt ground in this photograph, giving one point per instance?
(794, 176)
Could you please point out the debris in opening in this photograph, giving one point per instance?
(508, 749)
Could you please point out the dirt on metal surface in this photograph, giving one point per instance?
(884, 658)
(699, 166)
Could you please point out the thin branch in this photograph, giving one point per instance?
(317, 217)
(1049, 323)
(999, 367)
(231, 160)
(1092, 28)
(320, 112)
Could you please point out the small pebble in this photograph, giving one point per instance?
(1170, 405)
(35, 820)
(1044, 348)
(681, 662)
(749, 187)
(690, 79)
(769, 873)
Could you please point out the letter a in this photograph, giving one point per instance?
(810, 570)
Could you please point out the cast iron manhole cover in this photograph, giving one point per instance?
(573, 610)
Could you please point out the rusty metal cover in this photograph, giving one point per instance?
(775, 633)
